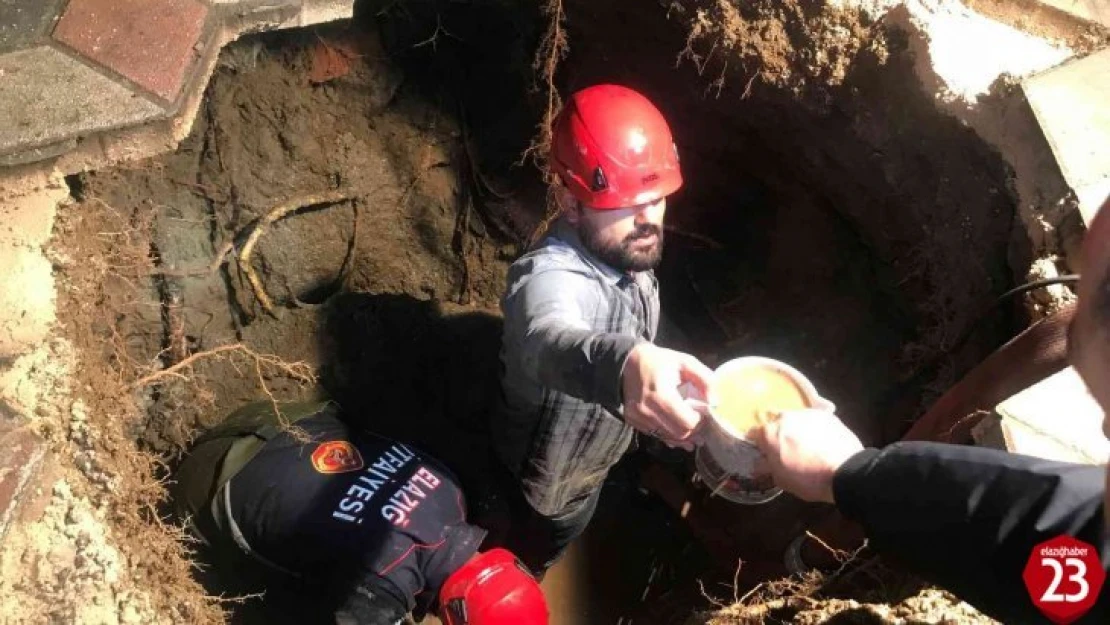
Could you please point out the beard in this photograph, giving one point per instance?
(622, 256)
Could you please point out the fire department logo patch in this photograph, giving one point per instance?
(336, 457)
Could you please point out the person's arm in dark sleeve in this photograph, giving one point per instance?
(550, 338)
(967, 518)
(372, 601)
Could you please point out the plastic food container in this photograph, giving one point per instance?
(732, 466)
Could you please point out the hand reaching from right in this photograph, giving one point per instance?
(804, 449)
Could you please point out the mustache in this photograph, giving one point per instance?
(643, 231)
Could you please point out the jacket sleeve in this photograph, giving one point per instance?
(371, 602)
(549, 335)
(967, 518)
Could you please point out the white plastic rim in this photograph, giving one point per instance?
(716, 477)
(743, 362)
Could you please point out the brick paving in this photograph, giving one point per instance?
(47, 97)
(71, 70)
(23, 24)
(151, 42)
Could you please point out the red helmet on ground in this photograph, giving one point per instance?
(613, 149)
(493, 588)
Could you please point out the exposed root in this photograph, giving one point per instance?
(239, 599)
(747, 87)
(460, 241)
(552, 49)
(299, 371)
(846, 560)
(260, 226)
(471, 176)
(433, 40)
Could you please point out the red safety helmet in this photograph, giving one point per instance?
(493, 588)
(613, 149)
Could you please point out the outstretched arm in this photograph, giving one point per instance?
(965, 518)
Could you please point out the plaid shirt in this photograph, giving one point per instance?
(570, 323)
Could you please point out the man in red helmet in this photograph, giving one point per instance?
(372, 528)
(581, 371)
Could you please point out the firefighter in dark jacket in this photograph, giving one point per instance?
(967, 518)
(371, 521)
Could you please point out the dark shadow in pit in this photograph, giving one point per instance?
(472, 63)
(407, 369)
(255, 595)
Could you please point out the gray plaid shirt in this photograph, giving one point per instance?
(570, 323)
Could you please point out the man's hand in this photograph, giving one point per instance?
(652, 402)
(804, 449)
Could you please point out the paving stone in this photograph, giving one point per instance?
(1070, 105)
(33, 155)
(151, 42)
(47, 97)
(23, 453)
(24, 22)
(252, 16)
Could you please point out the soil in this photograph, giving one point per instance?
(831, 218)
(930, 605)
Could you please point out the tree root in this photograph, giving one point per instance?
(260, 226)
(298, 371)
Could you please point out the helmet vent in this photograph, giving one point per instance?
(599, 182)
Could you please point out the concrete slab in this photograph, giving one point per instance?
(320, 11)
(27, 218)
(26, 299)
(34, 155)
(1070, 104)
(23, 24)
(47, 97)
(151, 42)
(1057, 419)
(293, 12)
(1091, 197)
(1097, 11)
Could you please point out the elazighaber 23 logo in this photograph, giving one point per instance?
(1064, 577)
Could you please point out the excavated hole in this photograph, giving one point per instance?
(852, 231)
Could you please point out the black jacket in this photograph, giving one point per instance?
(374, 521)
(967, 518)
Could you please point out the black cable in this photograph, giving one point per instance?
(1036, 284)
(933, 366)
(1023, 288)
